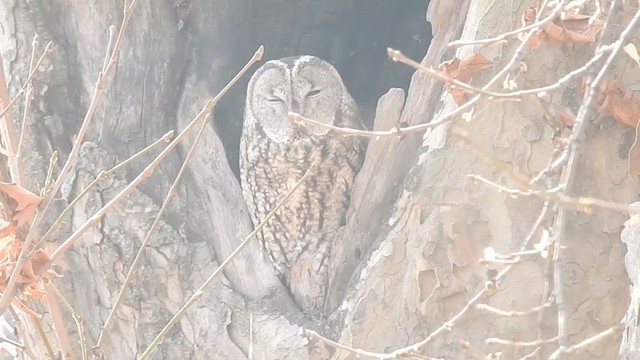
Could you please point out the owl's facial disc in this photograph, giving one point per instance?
(270, 101)
(318, 91)
(307, 85)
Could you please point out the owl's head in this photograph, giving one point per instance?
(305, 84)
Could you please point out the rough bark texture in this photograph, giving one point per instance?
(416, 228)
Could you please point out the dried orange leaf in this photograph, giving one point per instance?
(565, 117)
(471, 66)
(621, 103)
(463, 70)
(23, 202)
(35, 292)
(40, 262)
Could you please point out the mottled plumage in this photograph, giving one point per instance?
(275, 154)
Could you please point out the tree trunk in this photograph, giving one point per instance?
(409, 257)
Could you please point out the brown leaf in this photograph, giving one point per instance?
(463, 70)
(572, 30)
(623, 104)
(23, 203)
(40, 262)
(37, 267)
(565, 117)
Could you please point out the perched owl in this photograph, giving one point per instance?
(275, 153)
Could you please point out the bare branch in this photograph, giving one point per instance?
(136, 262)
(567, 182)
(9, 292)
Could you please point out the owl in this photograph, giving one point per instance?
(275, 153)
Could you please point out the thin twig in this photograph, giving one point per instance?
(143, 175)
(533, 343)
(47, 180)
(452, 322)
(129, 188)
(76, 318)
(172, 191)
(311, 334)
(27, 102)
(8, 126)
(43, 335)
(506, 35)
(514, 95)
(103, 175)
(513, 313)
(200, 291)
(46, 51)
(12, 342)
(442, 119)
(525, 186)
(612, 333)
(398, 56)
(582, 204)
(531, 355)
(567, 182)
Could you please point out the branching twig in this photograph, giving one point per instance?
(509, 34)
(27, 100)
(37, 323)
(136, 262)
(200, 291)
(525, 187)
(442, 119)
(567, 182)
(103, 175)
(130, 187)
(583, 204)
(458, 316)
(46, 51)
(612, 333)
(514, 95)
(9, 292)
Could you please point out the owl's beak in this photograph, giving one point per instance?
(295, 107)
